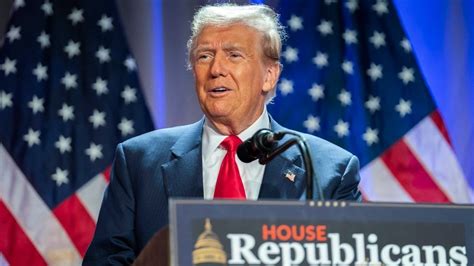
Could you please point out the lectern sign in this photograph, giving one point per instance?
(300, 233)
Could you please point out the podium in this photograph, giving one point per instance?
(203, 232)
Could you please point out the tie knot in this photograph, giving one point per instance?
(231, 143)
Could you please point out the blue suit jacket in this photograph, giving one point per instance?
(151, 168)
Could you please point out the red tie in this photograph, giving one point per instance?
(229, 184)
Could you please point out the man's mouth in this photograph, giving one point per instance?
(219, 90)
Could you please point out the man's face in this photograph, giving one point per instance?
(231, 76)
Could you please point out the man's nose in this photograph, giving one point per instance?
(219, 66)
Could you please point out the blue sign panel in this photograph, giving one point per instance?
(319, 233)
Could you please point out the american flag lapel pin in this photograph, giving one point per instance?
(290, 176)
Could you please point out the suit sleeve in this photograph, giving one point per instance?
(114, 239)
(348, 188)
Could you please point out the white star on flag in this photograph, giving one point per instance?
(8, 66)
(72, 49)
(43, 39)
(129, 94)
(407, 75)
(374, 72)
(13, 34)
(5, 100)
(348, 67)
(63, 144)
(47, 8)
(60, 176)
(32, 137)
(103, 54)
(295, 23)
(373, 104)
(100, 86)
(352, 5)
(40, 72)
(350, 36)
(76, 16)
(405, 44)
(316, 92)
(69, 80)
(403, 107)
(130, 64)
(371, 136)
(18, 3)
(378, 39)
(286, 87)
(341, 128)
(36, 104)
(66, 112)
(344, 97)
(94, 151)
(105, 23)
(97, 118)
(380, 7)
(290, 54)
(312, 124)
(325, 27)
(126, 127)
(321, 60)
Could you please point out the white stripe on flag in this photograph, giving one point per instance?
(34, 216)
(3, 261)
(378, 184)
(91, 195)
(439, 160)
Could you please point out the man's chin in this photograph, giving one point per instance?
(219, 117)
(222, 110)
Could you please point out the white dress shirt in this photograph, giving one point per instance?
(213, 154)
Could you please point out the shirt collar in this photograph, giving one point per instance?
(211, 139)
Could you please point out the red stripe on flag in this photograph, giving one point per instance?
(106, 174)
(76, 221)
(15, 245)
(364, 197)
(406, 168)
(438, 120)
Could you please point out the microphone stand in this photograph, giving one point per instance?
(303, 147)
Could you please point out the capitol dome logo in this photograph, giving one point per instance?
(208, 250)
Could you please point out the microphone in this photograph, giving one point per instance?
(263, 146)
(259, 145)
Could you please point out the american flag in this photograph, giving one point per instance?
(350, 76)
(69, 93)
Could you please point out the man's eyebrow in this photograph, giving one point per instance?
(233, 46)
(202, 48)
(226, 47)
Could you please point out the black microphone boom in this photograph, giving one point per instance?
(259, 145)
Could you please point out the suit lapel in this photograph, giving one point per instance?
(183, 173)
(283, 177)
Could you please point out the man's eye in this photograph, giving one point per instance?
(203, 57)
(235, 55)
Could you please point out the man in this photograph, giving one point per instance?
(234, 54)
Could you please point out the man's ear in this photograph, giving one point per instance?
(272, 73)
